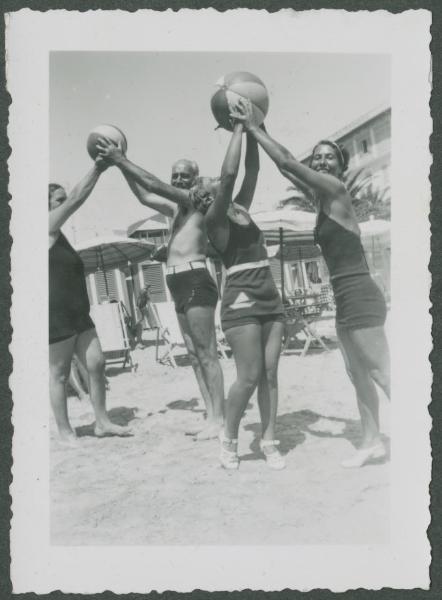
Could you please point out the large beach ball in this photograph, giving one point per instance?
(108, 131)
(233, 86)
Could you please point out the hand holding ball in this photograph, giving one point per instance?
(239, 86)
(110, 132)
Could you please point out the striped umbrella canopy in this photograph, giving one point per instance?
(296, 225)
(110, 251)
(286, 226)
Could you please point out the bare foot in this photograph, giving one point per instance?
(110, 429)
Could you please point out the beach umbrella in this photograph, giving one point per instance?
(110, 251)
(286, 226)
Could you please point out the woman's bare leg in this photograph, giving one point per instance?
(246, 344)
(268, 384)
(366, 393)
(372, 348)
(60, 358)
(89, 352)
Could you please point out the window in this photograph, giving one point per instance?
(365, 146)
(153, 274)
(106, 289)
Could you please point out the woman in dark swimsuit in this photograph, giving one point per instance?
(251, 309)
(71, 330)
(360, 305)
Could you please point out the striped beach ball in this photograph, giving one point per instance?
(233, 86)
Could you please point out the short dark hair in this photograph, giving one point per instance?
(53, 187)
(341, 152)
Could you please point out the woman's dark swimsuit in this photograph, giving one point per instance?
(250, 295)
(359, 301)
(68, 300)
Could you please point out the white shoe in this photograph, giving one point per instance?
(274, 459)
(363, 455)
(228, 458)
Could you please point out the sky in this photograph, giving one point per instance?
(162, 103)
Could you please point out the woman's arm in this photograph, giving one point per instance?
(115, 155)
(247, 191)
(283, 159)
(217, 212)
(165, 207)
(58, 216)
(299, 184)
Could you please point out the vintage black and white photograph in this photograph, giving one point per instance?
(225, 298)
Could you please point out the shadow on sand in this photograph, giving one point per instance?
(192, 405)
(292, 428)
(121, 415)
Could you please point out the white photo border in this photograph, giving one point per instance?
(39, 567)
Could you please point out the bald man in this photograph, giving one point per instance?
(191, 286)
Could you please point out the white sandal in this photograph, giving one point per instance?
(228, 458)
(274, 459)
(364, 455)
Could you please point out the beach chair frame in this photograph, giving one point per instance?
(167, 335)
(296, 323)
(117, 351)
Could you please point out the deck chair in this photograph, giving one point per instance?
(112, 332)
(296, 323)
(168, 332)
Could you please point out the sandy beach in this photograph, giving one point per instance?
(161, 487)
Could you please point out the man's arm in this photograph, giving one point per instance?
(162, 205)
(247, 191)
(149, 182)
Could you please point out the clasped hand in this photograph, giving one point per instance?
(108, 151)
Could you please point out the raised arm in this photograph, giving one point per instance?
(58, 216)
(283, 159)
(217, 213)
(247, 191)
(162, 205)
(298, 183)
(115, 155)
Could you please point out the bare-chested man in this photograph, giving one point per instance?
(190, 283)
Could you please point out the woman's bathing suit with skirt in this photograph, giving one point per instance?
(250, 294)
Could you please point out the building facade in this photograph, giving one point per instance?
(368, 142)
